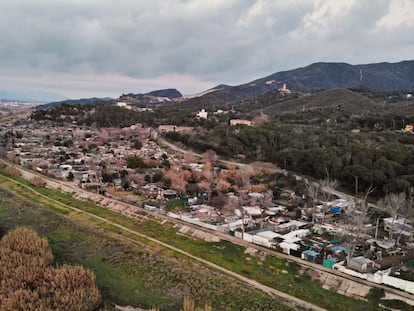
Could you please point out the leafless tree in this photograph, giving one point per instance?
(244, 174)
(211, 156)
(408, 210)
(190, 157)
(178, 177)
(326, 185)
(394, 203)
(312, 192)
(222, 184)
(264, 203)
(207, 182)
(357, 220)
(138, 179)
(241, 201)
(231, 205)
(400, 204)
(315, 190)
(3, 152)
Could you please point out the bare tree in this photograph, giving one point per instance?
(3, 152)
(326, 186)
(178, 177)
(241, 201)
(207, 182)
(222, 184)
(357, 218)
(190, 157)
(321, 189)
(136, 178)
(264, 203)
(400, 204)
(394, 204)
(243, 175)
(265, 168)
(312, 191)
(211, 156)
(231, 205)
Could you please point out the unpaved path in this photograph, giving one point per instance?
(288, 299)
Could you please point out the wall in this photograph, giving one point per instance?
(192, 221)
(398, 283)
(380, 277)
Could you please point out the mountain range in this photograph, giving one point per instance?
(315, 77)
(320, 76)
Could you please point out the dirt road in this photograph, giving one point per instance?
(288, 299)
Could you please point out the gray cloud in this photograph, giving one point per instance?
(106, 47)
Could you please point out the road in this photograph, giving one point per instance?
(292, 301)
(339, 194)
(163, 142)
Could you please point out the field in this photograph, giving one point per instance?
(136, 274)
(146, 274)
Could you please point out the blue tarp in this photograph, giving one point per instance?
(311, 253)
(335, 210)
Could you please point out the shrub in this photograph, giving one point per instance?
(12, 171)
(38, 181)
(30, 282)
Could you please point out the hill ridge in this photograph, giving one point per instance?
(322, 76)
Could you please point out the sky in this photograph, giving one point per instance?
(86, 48)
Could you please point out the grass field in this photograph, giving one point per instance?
(71, 245)
(127, 274)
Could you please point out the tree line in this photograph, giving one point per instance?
(383, 160)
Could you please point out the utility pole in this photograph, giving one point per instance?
(376, 228)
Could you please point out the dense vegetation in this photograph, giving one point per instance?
(307, 133)
(77, 102)
(112, 116)
(318, 76)
(30, 282)
(384, 160)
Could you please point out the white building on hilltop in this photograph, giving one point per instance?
(202, 114)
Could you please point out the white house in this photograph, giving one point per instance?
(234, 122)
(202, 114)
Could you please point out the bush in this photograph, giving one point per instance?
(12, 171)
(396, 304)
(37, 181)
(135, 162)
(30, 282)
(375, 294)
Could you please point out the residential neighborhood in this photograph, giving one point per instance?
(248, 201)
(207, 155)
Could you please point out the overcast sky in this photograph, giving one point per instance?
(83, 48)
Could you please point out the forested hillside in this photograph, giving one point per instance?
(384, 160)
(320, 76)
